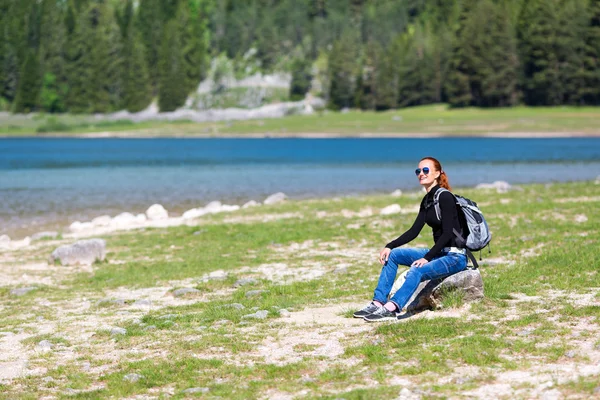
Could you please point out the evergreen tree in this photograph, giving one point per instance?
(26, 99)
(52, 63)
(301, 78)
(137, 90)
(79, 63)
(457, 87)
(172, 91)
(589, 93)
(150, 25)
(192, 25)
(343, 66)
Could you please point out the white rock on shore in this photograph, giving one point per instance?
(396, 193)
(83, 252)
(156, 212)
(250, 203)
(500, 186)
(103, 220)
(391, 209)
(275, 198)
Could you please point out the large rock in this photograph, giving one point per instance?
(83, 252)
(156, 212)
(430, 294)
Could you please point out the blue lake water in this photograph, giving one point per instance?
(46, 183)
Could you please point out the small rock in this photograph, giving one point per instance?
(22, 291)
(406, 394)
(105, 302)
(251, 203)
(391, 209)
(123, 220)
(80, 226)
(500, 186)
(141, 218)
(597, 390)
(118, 331)
(44, 346)
(47, 379)
(168, 316)
(217, 275)
(86, 366)
(185, 291)
(525, 332)
(201, 231)
(194, 213)
(156, 212)
(570, 354)
(307, 379)
(340, 270)
(143, 302)
(103, 220)
(222, 322)
(396, 193)
(150, 328)
(396, 118)
(4, 239)
(285, 313)
(83, 252)
(237, 306)
(196, 390)
(244, 282)
(275, 198)
(44, 235)
(253, 293)
(581, 218)
(133, 377)
(260, 314)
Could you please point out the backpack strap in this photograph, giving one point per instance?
(436, 202)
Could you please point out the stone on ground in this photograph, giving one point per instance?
(83, 252)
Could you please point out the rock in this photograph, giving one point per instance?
(597, 390)
(150, 328)
(185, 291)
(196, 390)
(133, 377)
(581, 218)
(107, 302)
(213, 207)
(391, 209)
(244, 282)
(340, 270)
(406, 394)
(80, 226)
(237, 306)
(217, 275)
(118, 331)
(229, 208)
(22, 291)
(260, 314)
(194, 213)
(4, 239)
(156, 212)
(253, 293)
(285, 313)
(570, 354)
(251, 203)
(141, 218)
(396, 193)
(397, 118)
(168, 316)
(123, 220)
(103, 220)
(275, 198)
(142, 302)
(525, 332)
(83, 252)
(44, 346)
(500, 186)
(44, 235)
(430, 294)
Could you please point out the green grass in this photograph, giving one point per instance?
(526, 320)
(432, 119)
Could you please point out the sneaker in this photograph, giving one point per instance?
(381, 314)
(371, 308)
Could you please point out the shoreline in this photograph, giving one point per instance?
(306, 135)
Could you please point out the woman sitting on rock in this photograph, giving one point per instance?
(443, 259)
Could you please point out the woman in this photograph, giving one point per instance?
(443, 259)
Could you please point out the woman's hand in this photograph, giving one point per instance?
(419, 263)
(384, 255)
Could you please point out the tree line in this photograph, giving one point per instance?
(104, 55)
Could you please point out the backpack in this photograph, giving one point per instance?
(479, 235)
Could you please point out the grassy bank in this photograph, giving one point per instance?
(307, 265)
(426, 120)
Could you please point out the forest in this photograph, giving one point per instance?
(99, 56)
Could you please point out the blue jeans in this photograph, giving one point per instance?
(440, 267)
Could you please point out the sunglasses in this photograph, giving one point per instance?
(425, 171)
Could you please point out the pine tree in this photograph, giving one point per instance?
(589, 93)
(137, 90)
(150, 26)
(457, 86)
(27, 96)
(79, 63)
(301, 78)
(193, 27)
(52, 63)
(172, 91)
(343, 66)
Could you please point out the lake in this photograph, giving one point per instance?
(46, 183)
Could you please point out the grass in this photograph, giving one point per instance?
(423, 120)
(540, 310)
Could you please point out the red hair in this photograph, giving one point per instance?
(443, 179)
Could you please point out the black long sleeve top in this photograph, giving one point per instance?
(443, 234)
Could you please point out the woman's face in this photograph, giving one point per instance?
(427, 174)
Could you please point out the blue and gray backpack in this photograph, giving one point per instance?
(478, 235)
